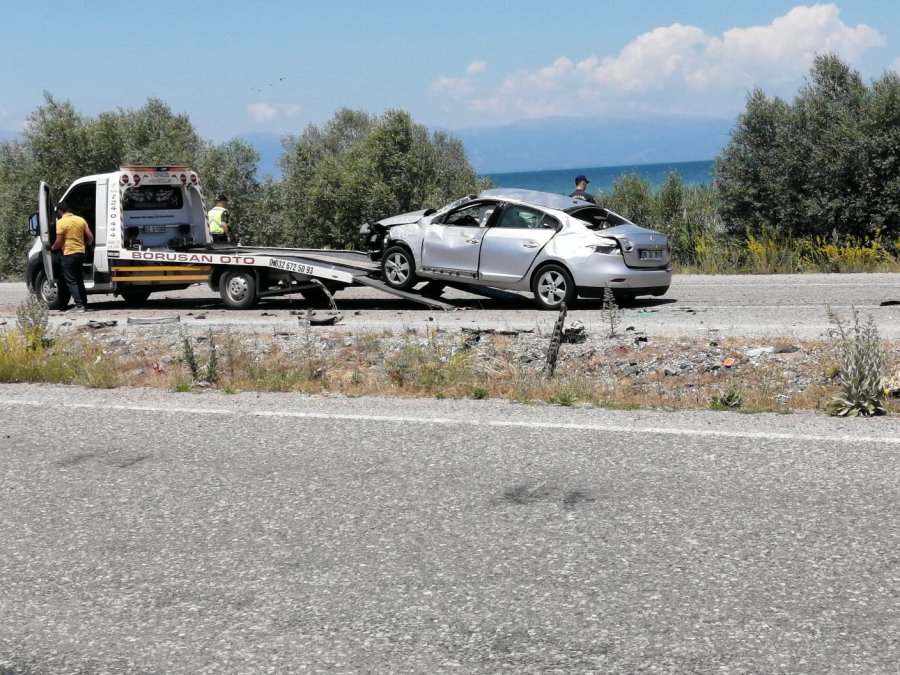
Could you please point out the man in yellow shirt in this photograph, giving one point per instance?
(72, 233)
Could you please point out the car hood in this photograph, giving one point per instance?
(405, 218)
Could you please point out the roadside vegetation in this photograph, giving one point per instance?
(811, 184)
(847, 375)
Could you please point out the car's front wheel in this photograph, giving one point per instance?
(398, 268)
(552, 286)
(53, 294)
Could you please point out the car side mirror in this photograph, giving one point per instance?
(34, 225)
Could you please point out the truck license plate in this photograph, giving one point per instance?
(651, 255)
(154, 228)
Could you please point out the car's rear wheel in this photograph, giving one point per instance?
(53, 294)
(238, 289)
(398, 268)
(552, 286)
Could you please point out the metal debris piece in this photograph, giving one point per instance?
(320, 319)
(93, 323)
(555, 341)
(152, 320)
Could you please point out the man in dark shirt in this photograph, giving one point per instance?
(581, 183)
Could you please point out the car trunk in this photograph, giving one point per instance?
(641, 248)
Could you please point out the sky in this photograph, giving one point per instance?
(276, 66)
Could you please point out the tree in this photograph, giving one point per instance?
(825, 164)
(358, 169)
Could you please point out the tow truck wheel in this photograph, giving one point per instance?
(55, 295)
(238, 289)
(398, 268)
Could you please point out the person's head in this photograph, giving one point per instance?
(62, 207)
(222, 199)
(581, 181)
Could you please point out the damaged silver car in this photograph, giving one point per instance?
(555, 247)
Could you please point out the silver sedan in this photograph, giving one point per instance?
(556, 247)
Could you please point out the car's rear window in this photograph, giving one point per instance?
(152, 198)
(596, 217)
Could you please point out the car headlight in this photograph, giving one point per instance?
(606, 245)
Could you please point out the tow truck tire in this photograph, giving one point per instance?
(54, 295)
(398, 268)
(238, 289)
(135, 296)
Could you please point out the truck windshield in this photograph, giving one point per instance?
(152, 197)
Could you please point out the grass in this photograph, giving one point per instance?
(614, 372)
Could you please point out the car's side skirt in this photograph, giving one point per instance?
(455, 274)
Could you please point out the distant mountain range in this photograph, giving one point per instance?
(560, 143)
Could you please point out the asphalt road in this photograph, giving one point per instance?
(747, 306)
(151, 532)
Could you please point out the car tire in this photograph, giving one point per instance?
(398, 268)
(55, 295)
(135, 296)
(238, 289)
(552, 286)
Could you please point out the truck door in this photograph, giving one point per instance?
(47, 227)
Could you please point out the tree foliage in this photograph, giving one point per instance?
(358, 168)
(825, 164)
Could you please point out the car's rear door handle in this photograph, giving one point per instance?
(530, 244)
(473, 241)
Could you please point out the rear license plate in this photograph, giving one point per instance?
(154, 228)
(651, 255)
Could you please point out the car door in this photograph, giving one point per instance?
(47, 227)
(451, 247)
(513, 241)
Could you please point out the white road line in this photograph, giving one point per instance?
(447, 421)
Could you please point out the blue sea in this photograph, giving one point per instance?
(602, 177)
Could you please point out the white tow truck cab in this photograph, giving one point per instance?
(151, 234)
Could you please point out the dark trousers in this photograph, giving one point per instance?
(71, 268)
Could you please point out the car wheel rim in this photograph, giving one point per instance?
(237, 288)
(397, 269)
(552, 288)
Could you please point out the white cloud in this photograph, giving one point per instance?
(266, 112)
(676, 68)
(459, 87)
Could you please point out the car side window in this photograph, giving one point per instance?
(520, 217)
(476, 215)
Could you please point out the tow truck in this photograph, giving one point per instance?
(151, 235)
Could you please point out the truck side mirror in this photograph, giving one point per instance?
(34, 225)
